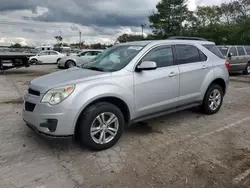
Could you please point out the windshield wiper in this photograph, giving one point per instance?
(94, 68)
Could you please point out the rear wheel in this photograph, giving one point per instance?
(70, 64)
(247, 69)
(213, 99)
(101, 126)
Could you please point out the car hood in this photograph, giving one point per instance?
(65, 77)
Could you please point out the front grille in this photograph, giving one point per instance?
(29, 106)
(33, 92)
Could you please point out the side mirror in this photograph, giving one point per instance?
(230, 55)
(146, 65)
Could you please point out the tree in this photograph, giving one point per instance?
(17, 45)
(129, 37)
(168, 19)
(59, 40)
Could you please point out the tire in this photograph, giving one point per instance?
(35, 61)
(89, 120)
(247, 69)
(70, 64)
(207, 107)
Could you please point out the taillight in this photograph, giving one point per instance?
(227, 65)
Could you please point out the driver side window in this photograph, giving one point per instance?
(233, 51)
(162, 56)
(43, 53)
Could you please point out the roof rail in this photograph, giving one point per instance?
(185, 38)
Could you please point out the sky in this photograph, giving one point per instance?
(37, 22)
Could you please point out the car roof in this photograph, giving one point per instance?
(48, 51)
(91, 50)
(155, 42)
(228, 46)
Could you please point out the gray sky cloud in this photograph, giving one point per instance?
(35, 22)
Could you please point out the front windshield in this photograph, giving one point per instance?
(223, 50)
(114, 59)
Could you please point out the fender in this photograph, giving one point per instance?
(94, 92)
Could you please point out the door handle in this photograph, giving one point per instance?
(204, 67)
(172, 74)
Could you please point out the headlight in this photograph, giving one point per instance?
(57, 95)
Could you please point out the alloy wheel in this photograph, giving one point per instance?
(104, 128)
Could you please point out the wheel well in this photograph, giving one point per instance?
(58, 59)
(113, 100)
(221, 83)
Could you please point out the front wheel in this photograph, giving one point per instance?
(70, 64)
(213, 100)
(101, 126)
(247, 69)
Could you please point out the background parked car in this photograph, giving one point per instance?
(80, 58)
(48, 56)
(238, 57)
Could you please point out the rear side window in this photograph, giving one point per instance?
(188, 54)
(247, 48)
(241, 51)
(53, 53)
(212, 48)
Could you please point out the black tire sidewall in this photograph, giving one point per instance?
(87, 119)
(245, 72)
(70, 62)
(205, 105)
(35, 61)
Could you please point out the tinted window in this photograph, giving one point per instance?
(247, 48)
(203, 57)
(44, 53)
(233, 51)
(212, 48)
(53, 53)
(241, 51)
(187, 54)
(95, 52)
(163, 56)
(84, 53)
(223, 50)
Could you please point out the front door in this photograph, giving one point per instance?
(234, 59)
(157, 90)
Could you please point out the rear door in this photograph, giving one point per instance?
(193, 68)
(242, 58)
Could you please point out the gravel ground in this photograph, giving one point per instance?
(184, 149)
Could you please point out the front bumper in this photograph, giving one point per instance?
(52, 121)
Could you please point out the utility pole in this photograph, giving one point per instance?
(80, 37)
(142, 28)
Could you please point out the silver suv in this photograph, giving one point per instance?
(127, 83)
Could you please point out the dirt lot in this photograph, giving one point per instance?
(185, 149)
